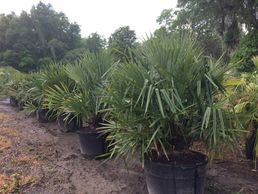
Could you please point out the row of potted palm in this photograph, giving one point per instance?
(155, 106)
(71, 94)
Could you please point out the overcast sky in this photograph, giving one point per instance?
(102, 16)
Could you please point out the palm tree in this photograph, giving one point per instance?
(83, 99)
(169, 98)
(38, 83)
(90, 74)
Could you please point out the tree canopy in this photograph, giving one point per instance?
(218, 25)
(31, 39)
(121, 41)
(94, 42)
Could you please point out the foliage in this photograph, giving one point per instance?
(60, 99)
(121, 42)
(243, 92)
(220, 15)
(248, 48)
(74, 55)
(171, 21)
(210, 20)
(83, 100)
(232, 35)
(94, 42)
(166, 19)
(29, 38)
(9, 80)
(167, 99)
(34, 91)
(244, 96)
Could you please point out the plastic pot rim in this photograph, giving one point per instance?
(178, 165)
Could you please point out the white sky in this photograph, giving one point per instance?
(102, 16)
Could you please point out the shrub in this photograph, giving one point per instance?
(248, 48)
(75, 54)
(83, 100)
(243, 93)
(168, 99)
(10, 79)
(36, 85)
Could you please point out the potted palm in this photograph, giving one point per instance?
(77, 104)
(55, 93)
(35, 96)
(10, 82)
(58, 99)
(22, 94)
(91, 74)
(248, 108)
(244, 92)
(14, 84)
(83, 101)
(161, 103)
(52, 75)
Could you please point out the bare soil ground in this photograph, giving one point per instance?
(38, 159)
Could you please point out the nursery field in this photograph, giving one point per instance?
(174, 112)
(38, 158)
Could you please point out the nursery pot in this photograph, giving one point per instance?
(92, 143)
(177, 177)
(70, 125)
(250, 144)
(20, 105)
(41, 115)
(13, 101)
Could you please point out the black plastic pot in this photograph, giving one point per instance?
(250, 145)
(175, 179)
(20, 105)
(68, 126)
(92, 144)
(41, 115)
(13, 101)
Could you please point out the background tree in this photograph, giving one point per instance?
(54, 30)
(94, 42)
(218, 25)
(121, 41)
(171, 21)
(19, 37)
(31, 39)
(221, 14)
(248, 48)
(4, 24)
